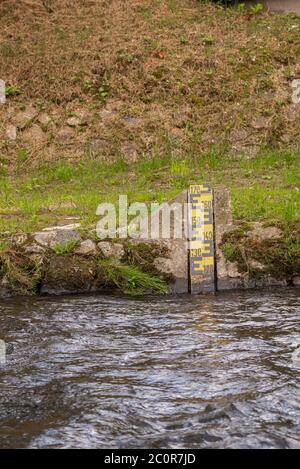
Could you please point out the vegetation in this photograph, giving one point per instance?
(22, 272)
(170, 95)
(263, 188)
(130, 280)
(278, 257)
(66, 247)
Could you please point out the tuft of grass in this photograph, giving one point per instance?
(23, 273)
(65, 248)
(130, 280)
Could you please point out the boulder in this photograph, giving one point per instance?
(296, 281)
(34, 134)
(130, 152)
(68, 204)
(56, 237)
(25, 118)
(260, 233)
(65, 274)
(87, 248)
(111, 250)
(73, 122)
(34, 248)
(44, 119)
(44, 239)
(228, 275)
(11, 132)
(65, 135)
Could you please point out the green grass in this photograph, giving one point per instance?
(264, 188)
(65, 248)
(130, 280)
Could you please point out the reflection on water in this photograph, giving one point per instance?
(202, 372)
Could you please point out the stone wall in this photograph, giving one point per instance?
(62, 260)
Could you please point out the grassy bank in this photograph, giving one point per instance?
(171, 92)
(265, 188)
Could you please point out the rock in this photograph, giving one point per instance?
(296, 281)
(107, 114)
(65, 135)
(34, 134)
(111, 110)
(99, 146)
(286, 138)
(56, 237)
(238, 135)
(228, 275)
(87, 248)
(62, 237)
(83, 116)
(163, 265)
(11, 132)
(260, 122)
(68, 274)
(111, 250)
(250, 151)
(223, 211)
(233, 271)
(5, 290)
(129, 151)
(34, 248)
(44, 119)
(131, 120)
(176, 135)
(44, 239)
(260, 233)
(256, 265)
(269, 281)
(173, 265)
(25, 118)
(73, 226)
(68, 204)
(73, 122)
(19, 240)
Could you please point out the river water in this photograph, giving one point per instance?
(195, 372)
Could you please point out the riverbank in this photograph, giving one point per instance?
(96, 108)
(64, 261)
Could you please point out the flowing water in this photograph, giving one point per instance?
(195, 372)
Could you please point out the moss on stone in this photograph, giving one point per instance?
(69, 273)
(278, 257)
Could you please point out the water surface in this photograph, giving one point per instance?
(195, 372)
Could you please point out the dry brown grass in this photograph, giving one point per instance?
(192, 75)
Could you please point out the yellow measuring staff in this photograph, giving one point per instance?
(201, 227)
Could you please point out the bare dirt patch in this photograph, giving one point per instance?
(149, 76)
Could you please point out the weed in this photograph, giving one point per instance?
(23, 272)
(65, 248)
(256, 9)
(130, 280)
(12, 91)
(22, 155)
